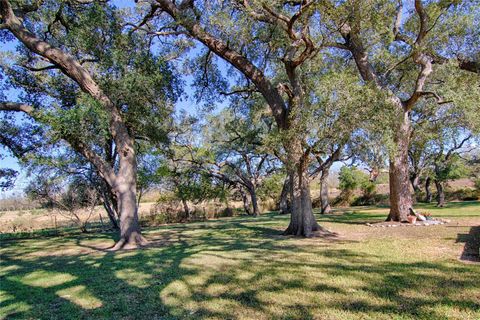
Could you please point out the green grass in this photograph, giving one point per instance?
(242, 268)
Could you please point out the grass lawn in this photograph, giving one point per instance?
(242, 268)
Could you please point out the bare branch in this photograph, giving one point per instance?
(239, 91)
(16, 106)
(50, 67)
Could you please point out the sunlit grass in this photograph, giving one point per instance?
(243, 268)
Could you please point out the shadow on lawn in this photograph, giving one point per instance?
(229, 271)
(352, 217)
(471, 251)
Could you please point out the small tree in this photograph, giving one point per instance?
(75, 200)
(351, 179)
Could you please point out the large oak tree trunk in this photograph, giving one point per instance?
(400, 197)
(324, 203)
(122, 183)
(440, 193)
(302, 220)
(126, 190)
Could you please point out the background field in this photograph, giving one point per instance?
(15, 218)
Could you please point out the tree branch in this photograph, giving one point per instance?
(240, 62)
(16, 106)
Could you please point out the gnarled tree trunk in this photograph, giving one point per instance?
(302, 220)
(440, 193)
(400, 197)
(123, 183)
(415, 180)
(324, 203)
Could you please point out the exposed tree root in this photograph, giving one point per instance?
(133, 241)
(315, 231)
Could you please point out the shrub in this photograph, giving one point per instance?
(368, 188)
(477, 184)
(271, 187)
(350, 179)
(375, 199)
(164, 212)
(465, 194)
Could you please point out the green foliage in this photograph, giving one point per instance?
(368, 187)
(271, 187)
(351, 178)
(464, 194)
(477, 183)
(140, 83)
(453, 168)
(7, 178)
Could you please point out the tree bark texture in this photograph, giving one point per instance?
(400, 197)
(302, 221)
(247, 206)
(440, 193)
(253, 197)
(285, 203)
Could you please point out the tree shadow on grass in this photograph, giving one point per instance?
(352, 217)
(230, 271)
(471, 250)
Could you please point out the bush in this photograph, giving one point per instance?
(351, 179)
(166, 212)
(375, 199)
(169, 210)
(465, 194)
(271, 187)
(477, 183)
(369, 189)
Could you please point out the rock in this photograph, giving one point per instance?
(421, 217)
